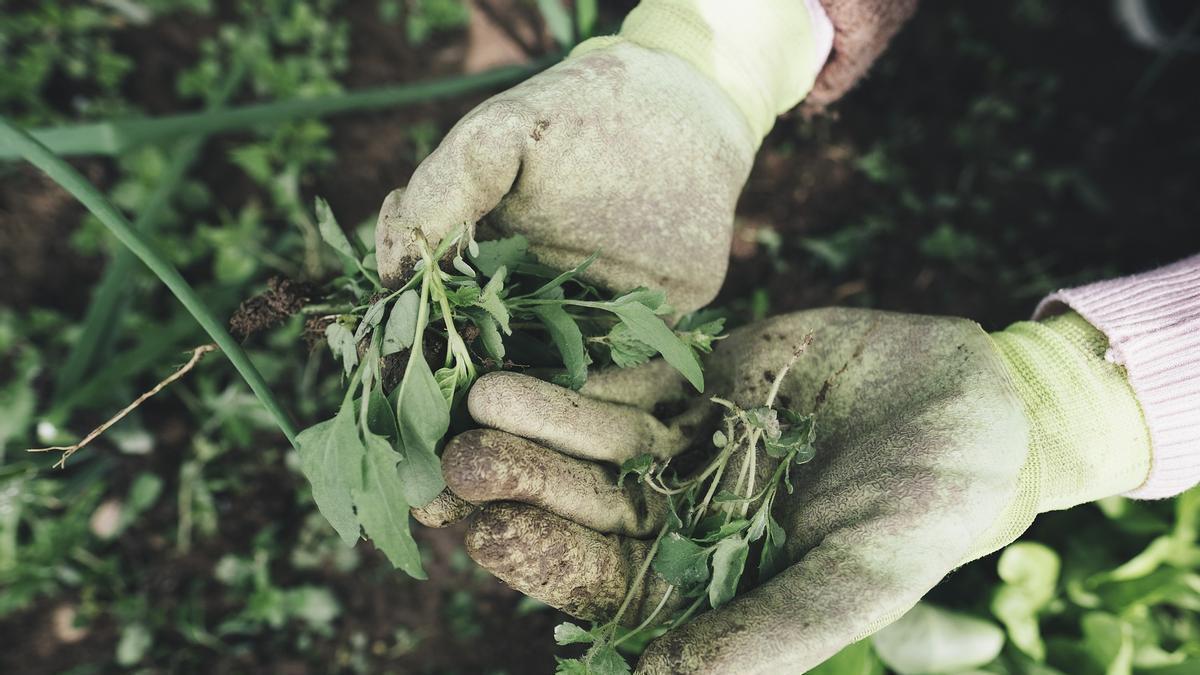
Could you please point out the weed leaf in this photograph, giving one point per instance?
(342, 344)
(382, 508)
(639, 465)
(491, 303)
(489, 334)
(565, 334)
(626, 350)
(681, 561)
(728, 561)
(331, 457)
(647, 327)
(332, 233)
(492, 255)
(424, 417)
(401, 328)
(567, 633)
(370, 319)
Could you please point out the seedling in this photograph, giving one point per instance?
(469, 307)
(704, 545)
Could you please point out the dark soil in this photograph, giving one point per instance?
(1025, 149)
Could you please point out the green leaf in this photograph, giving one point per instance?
(463, 268)
(796, 435)
(491, 302)
(401, 328)
(342, 344)
(565, 334)
(653, 299)
(567, 633)
(447, 379)
(855, 659)
(558, 22)
(681, 561)
(771, 561)
(723, 530)
(728, 562)
(492, 255)
(135, 641)
(564, 277)
(381, 418)
(650, 329)
(585, 18)
(1030, 574)
(465, 294)
(331, 456)
(626, 350)
(639, 465)
(603, 659)
(424, 417)
(332, 234)
(570, 667)
(489, 334)
(929, 639)
(700, 329)
(370, 319)
(382, 508)
(1109, 641)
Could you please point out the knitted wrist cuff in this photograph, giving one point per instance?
(1152, 326)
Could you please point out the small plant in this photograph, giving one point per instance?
(494, 307)
(704, 545)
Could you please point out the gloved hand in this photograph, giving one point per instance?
(635, 147)
(936, 444)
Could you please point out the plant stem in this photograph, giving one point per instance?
(642, 626)
(70, 180)
(641, 575)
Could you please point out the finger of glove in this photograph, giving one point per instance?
(485, 465)
(570, 422)
(463, 179)
(642, 387)
(446, 509)
(565, 565)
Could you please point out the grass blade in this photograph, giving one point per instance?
(109, 300)
(70, 180)
(115, 137)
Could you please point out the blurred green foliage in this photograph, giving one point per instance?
(185, 538)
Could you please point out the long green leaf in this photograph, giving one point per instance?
(331, 455)
(649, 328)
(383, 510)
(565, 334)
(70, 180)
(110, 297)
(116, 137)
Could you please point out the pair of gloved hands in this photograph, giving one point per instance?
(937, 443)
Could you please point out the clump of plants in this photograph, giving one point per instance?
(713, 528)
(469, 307)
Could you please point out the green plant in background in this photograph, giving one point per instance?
(1107, 589)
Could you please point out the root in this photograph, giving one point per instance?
(68, 450)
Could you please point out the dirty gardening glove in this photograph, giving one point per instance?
(935, 444)
(636, 146)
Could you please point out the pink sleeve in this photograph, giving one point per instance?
(1152, 321)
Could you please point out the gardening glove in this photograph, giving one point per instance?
(936, 443)
(636, 147)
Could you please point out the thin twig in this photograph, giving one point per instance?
(68, 450)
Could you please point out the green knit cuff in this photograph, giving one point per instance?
(1087, 432)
